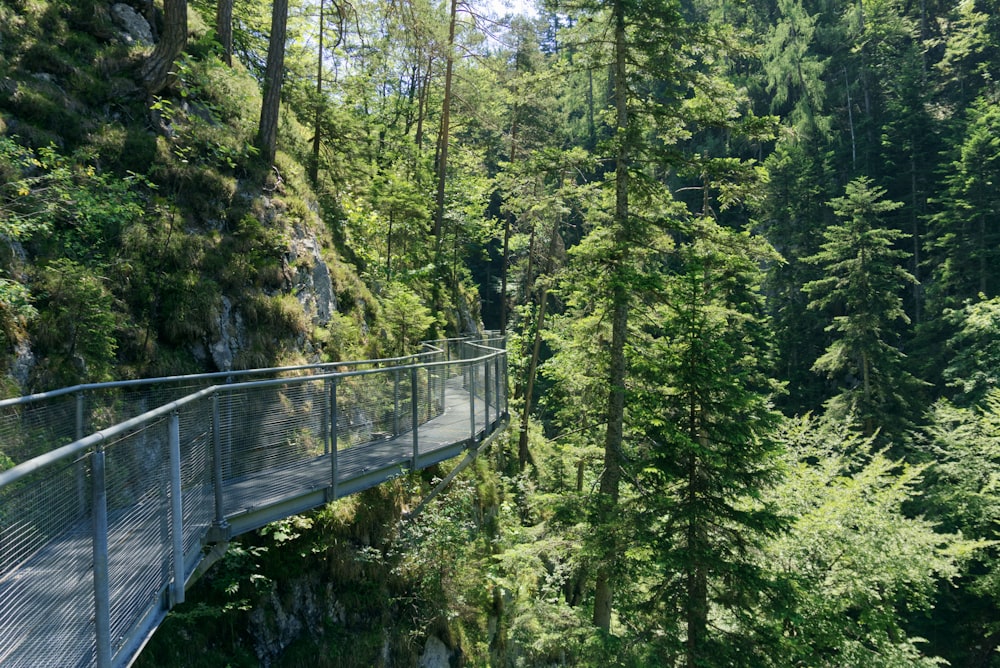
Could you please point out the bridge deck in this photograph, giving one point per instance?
(40, 599)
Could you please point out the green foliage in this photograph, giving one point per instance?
(405, 319)
(795, 204)
(974, 351)
(75, 330)
(71, 210)
(962, 494)
(16, 308)
(702, 410)
(965, 236)
(856, 566)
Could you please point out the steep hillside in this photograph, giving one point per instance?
(144, 237)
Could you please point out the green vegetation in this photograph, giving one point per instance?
(744, 254)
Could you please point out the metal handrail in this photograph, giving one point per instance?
(139, 382)
(122, 514)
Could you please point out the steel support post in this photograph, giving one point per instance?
(395, 403)
(334, 429)
(176, 510)
(430, 394)
(487, 391)
(445, 370)
(506, 388)
(414, 406)
(217, 481)
(81, 474)
(102, 588)
(496, 364)
(324, 417)
(79, 415)
(472, 403)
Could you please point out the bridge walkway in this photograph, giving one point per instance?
(99, 538)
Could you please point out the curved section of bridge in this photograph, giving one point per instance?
(118, 488)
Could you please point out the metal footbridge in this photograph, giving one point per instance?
(119, 490)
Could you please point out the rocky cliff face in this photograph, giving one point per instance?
(303, 606)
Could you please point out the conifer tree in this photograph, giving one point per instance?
(703, 400)
(861, 286)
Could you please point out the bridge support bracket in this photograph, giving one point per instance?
(472, 454)
(218, 533)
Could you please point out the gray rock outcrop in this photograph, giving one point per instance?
(134, 28)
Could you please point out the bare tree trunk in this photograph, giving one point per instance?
(508, 221)
(267, 135)
(422, 104)
(224, 29)
(156, 71)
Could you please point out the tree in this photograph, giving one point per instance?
(796, 193)
(156, 70)
(625, 232)
(406, 319)
(445, 133)
(224, 29)
(703, 400)
(861, 286)
(267, 135)
(855, 564)
(960, 494)
(974, 351)
(794, 70)
(965, 242)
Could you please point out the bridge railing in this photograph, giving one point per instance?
(34, 424)
(98, 537)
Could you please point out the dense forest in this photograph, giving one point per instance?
(743, 252)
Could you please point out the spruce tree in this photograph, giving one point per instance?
(703, 396)
(863, 278)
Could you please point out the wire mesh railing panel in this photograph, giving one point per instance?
(272, 438)
(139, 539)
(267, 432)
(196, 450)
(366, 407)
(107, 406)
(28, 430)
(46, 580)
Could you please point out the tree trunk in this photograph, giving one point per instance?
(156, 71)
(508, 221)
(696, 606)
(523, 453)
(224, 29)
(445, 122)
(317, 125)
(422, 104)
(267, 136)
(611, 476)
